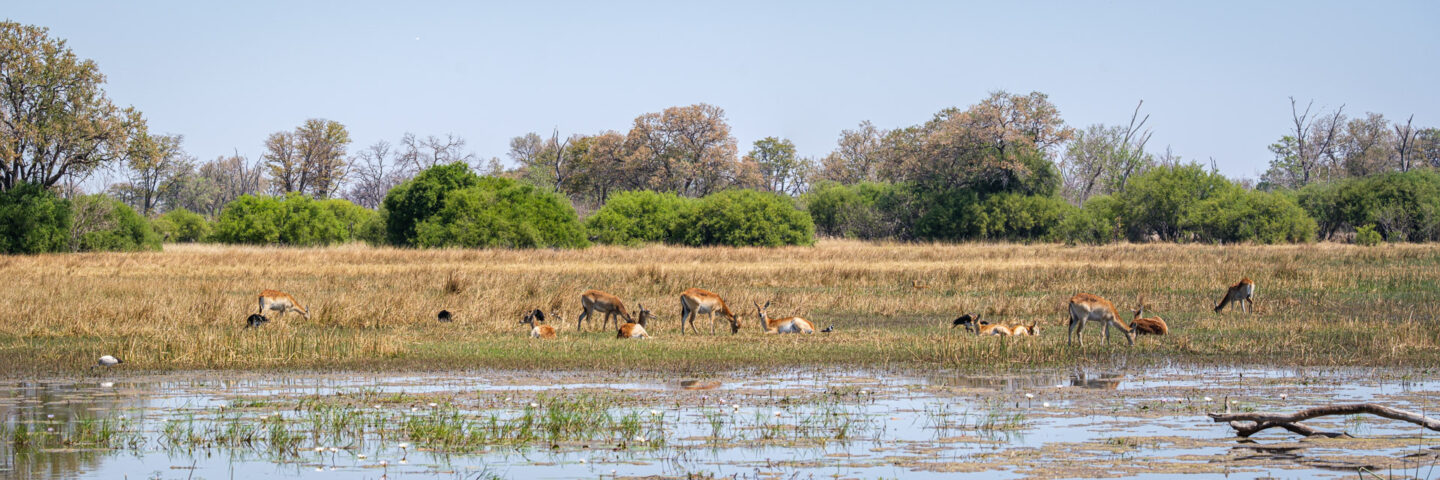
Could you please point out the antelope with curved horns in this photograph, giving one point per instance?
(538, 330)
(637, 329)
(593, 301)
(280, 302)
(782, 325)
(1085, 307)
(1241, 293)
(1148, 326)
(696, 301)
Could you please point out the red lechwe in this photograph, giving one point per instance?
(782, 325)
(1085, 307)
(538, 330)
(593, 301)
(1241, 293)
(280, 302)
(696, 301)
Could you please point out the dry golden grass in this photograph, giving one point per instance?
(374, 308)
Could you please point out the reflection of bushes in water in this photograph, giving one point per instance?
(30, 441)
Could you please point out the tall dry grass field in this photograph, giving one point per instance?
(375, 307)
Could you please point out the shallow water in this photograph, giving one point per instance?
(856, 424)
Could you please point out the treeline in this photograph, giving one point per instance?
(1007, 168)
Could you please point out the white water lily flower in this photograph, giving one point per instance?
(333, 449)
(655, 412)
(1046, 404)
(433, 404)
(403, 446)
(640, 439)
(534, 405)
(377, 407)
(582, 460)
(413, 409)
(1029, 395)
(360, 456)
(777, 413)
(319, 449)
(1282, 396)
(402, 462)
(384, 463)
(1208, 399)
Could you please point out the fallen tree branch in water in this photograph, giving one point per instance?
(1250, 423)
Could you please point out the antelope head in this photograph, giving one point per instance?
(644, 314)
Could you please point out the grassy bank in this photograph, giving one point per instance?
(374, 308)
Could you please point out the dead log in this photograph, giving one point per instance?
(1250, 423)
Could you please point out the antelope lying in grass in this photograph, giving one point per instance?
(637, 329)
(1148, 326)
(280, 302)
(593, 301)
(974, 324)
(696, 301)
(1085, 307)
(1241, 293)
(782, 325)
(538, 330)
(1025, 330)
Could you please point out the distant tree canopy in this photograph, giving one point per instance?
(58, 123)
(294, 220)
(33, 220)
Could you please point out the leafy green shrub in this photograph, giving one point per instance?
(1012, 216)
(638, 217)
(294, 220)
(353, 218)
(1367, 236)
(1236, 215)
(33, 220)
(499, 212)
(1160, 200)
(111, 225)
(863, 210)
(420, 198)
(1402, 206)
(742, 218)
(1096, 223)
(181, 225)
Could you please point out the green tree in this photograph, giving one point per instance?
(294, 220)
(1159, 201)
(57, 121)
(499, 212)
(1238, 215)
(183, 226)
(863, 210)
(780, 170)
(742, 218)
(310, 160)
(33, 220)
(119, 228)
(420, 198)
(638, 217)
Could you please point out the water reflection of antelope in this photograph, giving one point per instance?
(1100, 381)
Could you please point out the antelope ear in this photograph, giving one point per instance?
(767, 304)
(539, 315)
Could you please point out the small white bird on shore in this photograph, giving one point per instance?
(108, 361)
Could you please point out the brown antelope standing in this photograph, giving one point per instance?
(1241, 293)
(1085, 307)
(1025, 330)
(696, 301)
(538, 330)
(593, 301)
(280, 302)
(782, 325)
(637, 329)
(1148, 326)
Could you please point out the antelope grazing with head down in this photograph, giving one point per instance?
(1148, 326)
(1240, 293)
(696, 301)
(637, 329)
(1085, 307)
(595, 301)
(538, 330)
(782, 325)
(280, 302)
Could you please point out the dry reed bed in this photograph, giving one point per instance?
(375, 307)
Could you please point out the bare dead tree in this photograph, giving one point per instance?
(1250, 423)
(1308, 152)
(1405, 142)
(557, 161)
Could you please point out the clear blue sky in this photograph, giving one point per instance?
(1215, 76)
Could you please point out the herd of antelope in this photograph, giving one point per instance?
(1083, 308)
